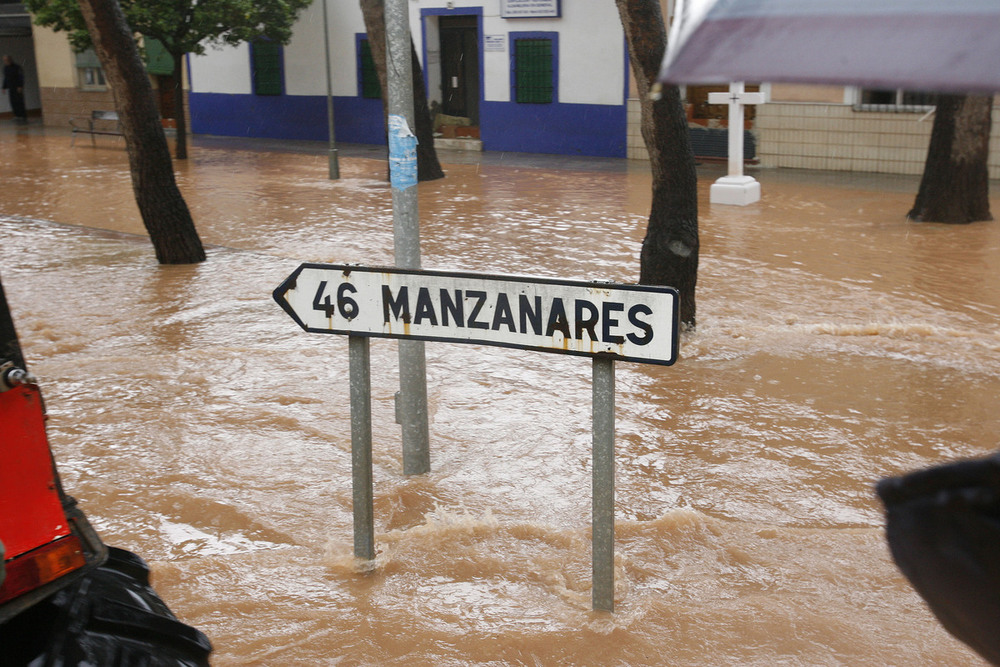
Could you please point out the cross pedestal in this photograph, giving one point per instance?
(735, 188)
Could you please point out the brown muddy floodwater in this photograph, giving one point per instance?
(201, 428)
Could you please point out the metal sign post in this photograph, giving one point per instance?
(603, 489)
(601, 320)
(361, 447)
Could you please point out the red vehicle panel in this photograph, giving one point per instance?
(31, 512)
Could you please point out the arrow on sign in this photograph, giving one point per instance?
(625, 322)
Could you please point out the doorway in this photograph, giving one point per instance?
(165, 99)
(459, 37)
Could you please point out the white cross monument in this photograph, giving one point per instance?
(735, 188)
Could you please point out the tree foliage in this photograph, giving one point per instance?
(185, 26)
(181, 26)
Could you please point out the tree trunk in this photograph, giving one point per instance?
(428, 167)
(10, 346)
(670, 249)
(163, 209)
(955, 184)
(180, 150)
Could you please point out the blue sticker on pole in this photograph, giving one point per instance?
(402, 154)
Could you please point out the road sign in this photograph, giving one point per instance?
(602, 320)
(624, 322)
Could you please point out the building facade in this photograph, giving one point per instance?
(545, 76)
(833, 128)
(851, 129)
(514, 75)
(16, 42)
(72, 85)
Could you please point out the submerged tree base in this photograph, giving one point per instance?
(161, 205)
(955, 185)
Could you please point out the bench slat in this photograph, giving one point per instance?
(103, 117)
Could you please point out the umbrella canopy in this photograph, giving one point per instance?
(930, 45)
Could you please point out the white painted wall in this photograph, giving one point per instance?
(221, 70)
(591, 52)
(432, 66)
(305, 72)
(227, 69)
(591, 49)
(496, 64)
(304, 55)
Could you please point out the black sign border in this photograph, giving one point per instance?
(290, 282)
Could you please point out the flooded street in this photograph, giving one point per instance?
(200, 427)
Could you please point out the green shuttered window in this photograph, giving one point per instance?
(368, 75)
(533, 69)
(266, 59)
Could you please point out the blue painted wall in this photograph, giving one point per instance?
(357, 120)
(564, 129)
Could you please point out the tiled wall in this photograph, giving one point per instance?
(61, 104)
(836, 138)
(634, 145)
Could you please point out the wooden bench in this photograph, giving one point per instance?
(100, 122)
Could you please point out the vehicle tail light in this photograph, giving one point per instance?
(41, 566)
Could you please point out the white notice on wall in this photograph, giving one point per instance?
(529, 9)
(495, 43)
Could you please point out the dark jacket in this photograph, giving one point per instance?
(13, 76)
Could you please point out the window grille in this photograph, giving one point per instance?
(266, 68)
(370, 87)
(533, 69)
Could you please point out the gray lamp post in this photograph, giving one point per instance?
(334, 164)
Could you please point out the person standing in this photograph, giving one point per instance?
(13, 83)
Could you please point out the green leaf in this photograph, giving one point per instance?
(181, 26)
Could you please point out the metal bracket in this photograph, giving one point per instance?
(12, 376)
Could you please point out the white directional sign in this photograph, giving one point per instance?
(625, 322)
